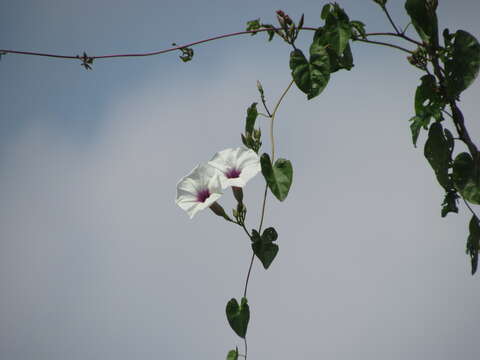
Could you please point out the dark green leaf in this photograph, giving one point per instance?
(310, 77)
(425, 95)
(439, 154)
(450, 203)
(324, 37)
(263, 246)
(473, 242)
(266, 252)
(256, 236)
(424, 19)
(463, 178)
(428, 104)
(251, 118)
(359, 27)
(326, 11)
(278, 177)
(269, 235)
(463, 67)
(232, 354)
(417, 124)
(238, 316)
(337, 30)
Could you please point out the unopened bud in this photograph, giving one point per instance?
(259, 87)
(218, 210)
(238, 194)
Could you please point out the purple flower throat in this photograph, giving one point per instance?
(232, 173)
(203, 195)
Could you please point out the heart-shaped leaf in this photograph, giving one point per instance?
(263, 246)
(238, 316)
(278, 177)
(266, 252)
(311, 77)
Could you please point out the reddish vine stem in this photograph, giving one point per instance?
(179, 47)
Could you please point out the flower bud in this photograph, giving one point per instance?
(218, 210)
(238, 194)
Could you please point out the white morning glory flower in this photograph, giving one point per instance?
(199, 189)
(236, 166)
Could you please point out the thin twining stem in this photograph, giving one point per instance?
(142, 54)
(469, 207)
(272, 118)
(272, 139)
(262, 216)
(178, 47)
(248, 275)
(384, 8)
(401, 35)
(385, 44)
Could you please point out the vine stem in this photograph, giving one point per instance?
(469, 207)
(142, 54)
(272, 139)
(385, 44)
(178, 47)
(272, 118)
(400, 35)
(384, 8)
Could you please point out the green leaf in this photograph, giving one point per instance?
(426, 97)
(253, 25)
(428, 104)
(266, 252)
(310, 77)
(339, 51)
(232, 354)
(438, 151)
(359, 27)
(337, 37)
(238, 316)
(252, 114)
(337, 30)
(462, 69)
(187, 54)
(263, 246)
(450, 203)
(269, 235)
(473, 242)
(424, 19)
(326, 11)
(464, 178)
(278, 177)
(417, 124)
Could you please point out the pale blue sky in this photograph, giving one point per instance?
(96, 260)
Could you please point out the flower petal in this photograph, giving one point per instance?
(244, 160)
(202, 177)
